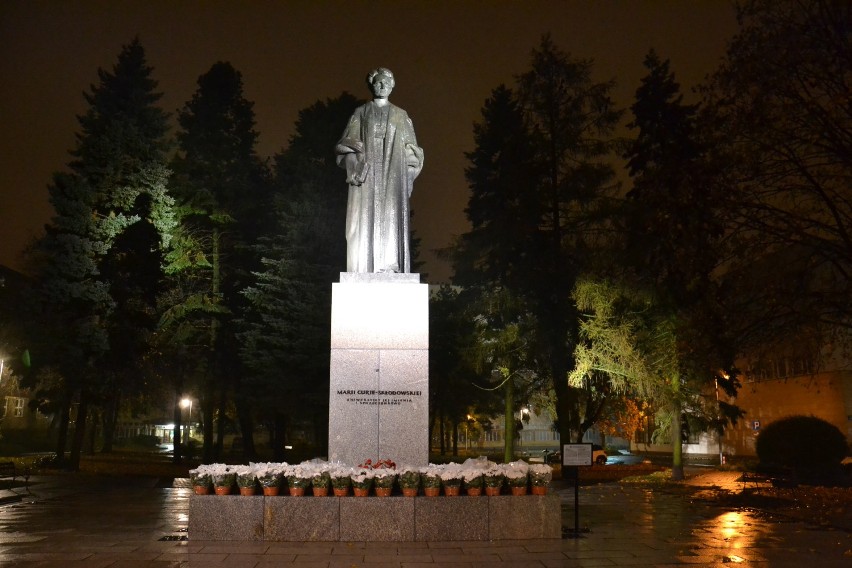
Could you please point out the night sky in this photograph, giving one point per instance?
(447, 56)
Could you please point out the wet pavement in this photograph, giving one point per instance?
(76, 521)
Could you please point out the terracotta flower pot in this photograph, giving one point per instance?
(201, 489)
(519, 490)
(246, 490)
(383, 491)
(492, 491)
(341, 491)
(409, 491)
(297, 491)
(320, 491)
(452, 490)
(223, 490)
(271, 491)
(361, 491)
(539, 489)
(431, 491)
(474, 491)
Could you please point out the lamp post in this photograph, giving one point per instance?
(187, 403)
(719, 429)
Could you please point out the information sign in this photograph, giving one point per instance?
(576, 454)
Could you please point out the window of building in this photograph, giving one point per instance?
(17, 406)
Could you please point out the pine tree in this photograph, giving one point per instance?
(502, 209)
(221, 188)
(673, 243)
(287, 331)
(541, 172)
(119, 156)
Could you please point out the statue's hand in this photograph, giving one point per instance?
(356, 169)
(414, 160)
(360, 172)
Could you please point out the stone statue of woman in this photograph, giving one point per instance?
(379, 151)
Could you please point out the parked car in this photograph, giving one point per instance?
(599, 456)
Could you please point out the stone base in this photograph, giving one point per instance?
(379, 369)
(396, 518)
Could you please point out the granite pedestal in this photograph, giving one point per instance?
(395, 518)
(379, 379)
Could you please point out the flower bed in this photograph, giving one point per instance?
(377, 478)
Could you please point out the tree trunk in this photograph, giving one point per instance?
(246, 428)
(443, 446)
(79, 432)
(567, 397)
(207, 407)
(220, 422)
(110, 419)
(455, 437)
(677, 435)
(279, 432)
(62, 434)
(509, 422)
(208, 398)
(89, 446)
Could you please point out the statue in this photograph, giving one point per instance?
(379, 151)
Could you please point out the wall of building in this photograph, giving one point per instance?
(15, 412)
(826, 395)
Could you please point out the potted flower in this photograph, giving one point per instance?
(340, 480)
(383, 480)
(493, 478)
(540, 476)
(517, 474)
(384, 476)
(409, 480)
(224, 477)
(269, 476)
(298, 479)
(430, 476)
(201, 480)
(320, 481)
(474, 479)
(451, 479)
(246, 480)
(362, 480)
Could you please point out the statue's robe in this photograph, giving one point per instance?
(379, 147)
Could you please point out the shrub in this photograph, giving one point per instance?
(806, 444)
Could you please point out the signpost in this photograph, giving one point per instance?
(574, 456)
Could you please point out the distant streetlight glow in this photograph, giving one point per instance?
(186, 402)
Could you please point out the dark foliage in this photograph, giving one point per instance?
(806, 444)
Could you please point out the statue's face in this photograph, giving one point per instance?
(382, 86)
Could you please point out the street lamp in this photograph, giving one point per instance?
(187, 403)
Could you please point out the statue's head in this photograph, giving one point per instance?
(381, 82)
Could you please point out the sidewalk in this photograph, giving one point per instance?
(71, 521)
